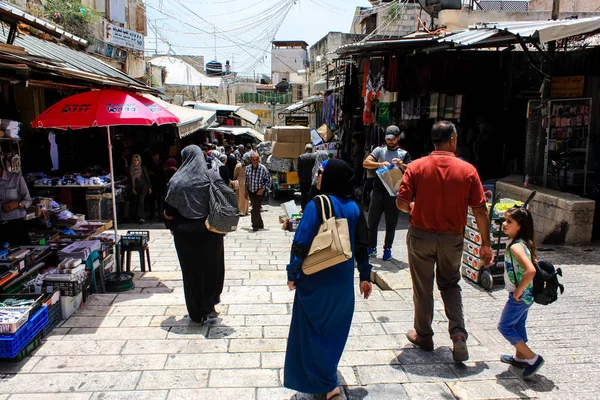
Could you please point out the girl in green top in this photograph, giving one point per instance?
(518, 278)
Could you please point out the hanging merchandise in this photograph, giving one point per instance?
(350, 100)
(441, 105)
(391, 81)
(458, 105)
(374, 85)
(383, 115)
(53, 150)
(433, 105)
(449, 108)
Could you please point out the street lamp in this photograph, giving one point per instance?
(273, 103)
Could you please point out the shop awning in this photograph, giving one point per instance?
(237, 111)
(239, 130)
(246, 115)
(63, 60)
(190, 120)
(296, 107)
(483, 35)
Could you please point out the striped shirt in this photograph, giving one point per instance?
(257, 178)
(13, 188)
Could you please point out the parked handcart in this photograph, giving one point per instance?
(472, 266)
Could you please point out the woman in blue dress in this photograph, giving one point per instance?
(324, 301)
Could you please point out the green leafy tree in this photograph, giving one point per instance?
(73, 16)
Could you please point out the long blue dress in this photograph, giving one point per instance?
(323, 305)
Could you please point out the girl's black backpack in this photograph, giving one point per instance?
(545, 283)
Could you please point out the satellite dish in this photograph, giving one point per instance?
(433, 7)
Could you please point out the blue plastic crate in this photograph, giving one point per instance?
(11, 345)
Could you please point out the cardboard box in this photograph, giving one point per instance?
(268, 135)
(287, 150)
(292, 178)
(325, 132)
(291, 134)
(470, 273)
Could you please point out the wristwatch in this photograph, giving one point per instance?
(20, 204)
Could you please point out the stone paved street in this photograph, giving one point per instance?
(138, 345)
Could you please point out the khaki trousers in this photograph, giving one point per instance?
(430, 253)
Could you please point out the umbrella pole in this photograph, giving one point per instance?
(114, 201)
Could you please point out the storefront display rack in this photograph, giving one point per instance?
(567, 123)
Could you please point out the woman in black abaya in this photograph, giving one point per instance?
(200, 252)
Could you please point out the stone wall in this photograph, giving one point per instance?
(566, 5)
(551, 210)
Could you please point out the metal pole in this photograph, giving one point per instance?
(114, 201)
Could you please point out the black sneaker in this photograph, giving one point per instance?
(531, 369)
(508, 359)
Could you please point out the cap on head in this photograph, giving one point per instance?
(392, 132)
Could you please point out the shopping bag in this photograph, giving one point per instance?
(391, 177)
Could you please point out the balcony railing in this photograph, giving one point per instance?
(281, 98)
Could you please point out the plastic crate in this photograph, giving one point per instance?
(67, 288)
(54, 318)
(27, 350)
(12, 327)
(11, 345)
(133, 240)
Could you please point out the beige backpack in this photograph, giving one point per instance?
(332, 244)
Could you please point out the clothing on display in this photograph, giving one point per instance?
(53, 150)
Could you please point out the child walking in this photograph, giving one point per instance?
(518, 277)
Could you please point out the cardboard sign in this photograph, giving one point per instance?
(567, 86)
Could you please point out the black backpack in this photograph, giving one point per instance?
(545, 282)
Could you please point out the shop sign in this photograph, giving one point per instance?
(296, 120)
(123, 37)
(567, 86)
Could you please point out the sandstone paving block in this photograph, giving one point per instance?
(429, 372)
(245, 266)
(413, 355)
(490, 389)
(226, 320)
(246, 298)
(266, 320)
(371, 357)
(23, 366)
(184, 346)
(237, 274)
(186, 332)
(162, 276)
(276, 331)
(362, 317)
(366, 329)
(346, 376)
(94, 311)
(221, 394)
(283, 297)
(257, 345)
(136, 321)
(92, 347)
(57, 334)
(237, 332)
(101, 299)
(269, 282)
(229, 378)
(379, 374)
(132, 395)
(377, 342)
(393, 316)
(92, 322)
(172, 320)
(378, 392)
(173, 379)
(158, 299)
(278, 288)
(223, 360)
(272, 360)
(100, 363)
(246, 289)
(70, 382)
(111, 333)
(282, 394)
(48, 396)
(428, 391)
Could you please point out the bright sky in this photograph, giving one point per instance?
(244, 28)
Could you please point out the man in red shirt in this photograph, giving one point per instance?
(436, 191)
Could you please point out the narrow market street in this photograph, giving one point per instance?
(139, 345)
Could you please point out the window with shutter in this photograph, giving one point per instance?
(140, 22)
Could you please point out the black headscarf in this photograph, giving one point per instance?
(188, 188)
(337, 178)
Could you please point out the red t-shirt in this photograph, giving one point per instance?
(442, 186)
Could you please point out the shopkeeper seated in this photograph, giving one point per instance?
(14, 198)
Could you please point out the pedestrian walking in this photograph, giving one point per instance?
(218, 163)
(170, 168)
(200, 251)
(239, 185)
(324, 301)
(436, 191)
(316, 171)
(158, 181)
(381, 201)
(518, 279)
(141, 187)
(306, 163)
(258, 182)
